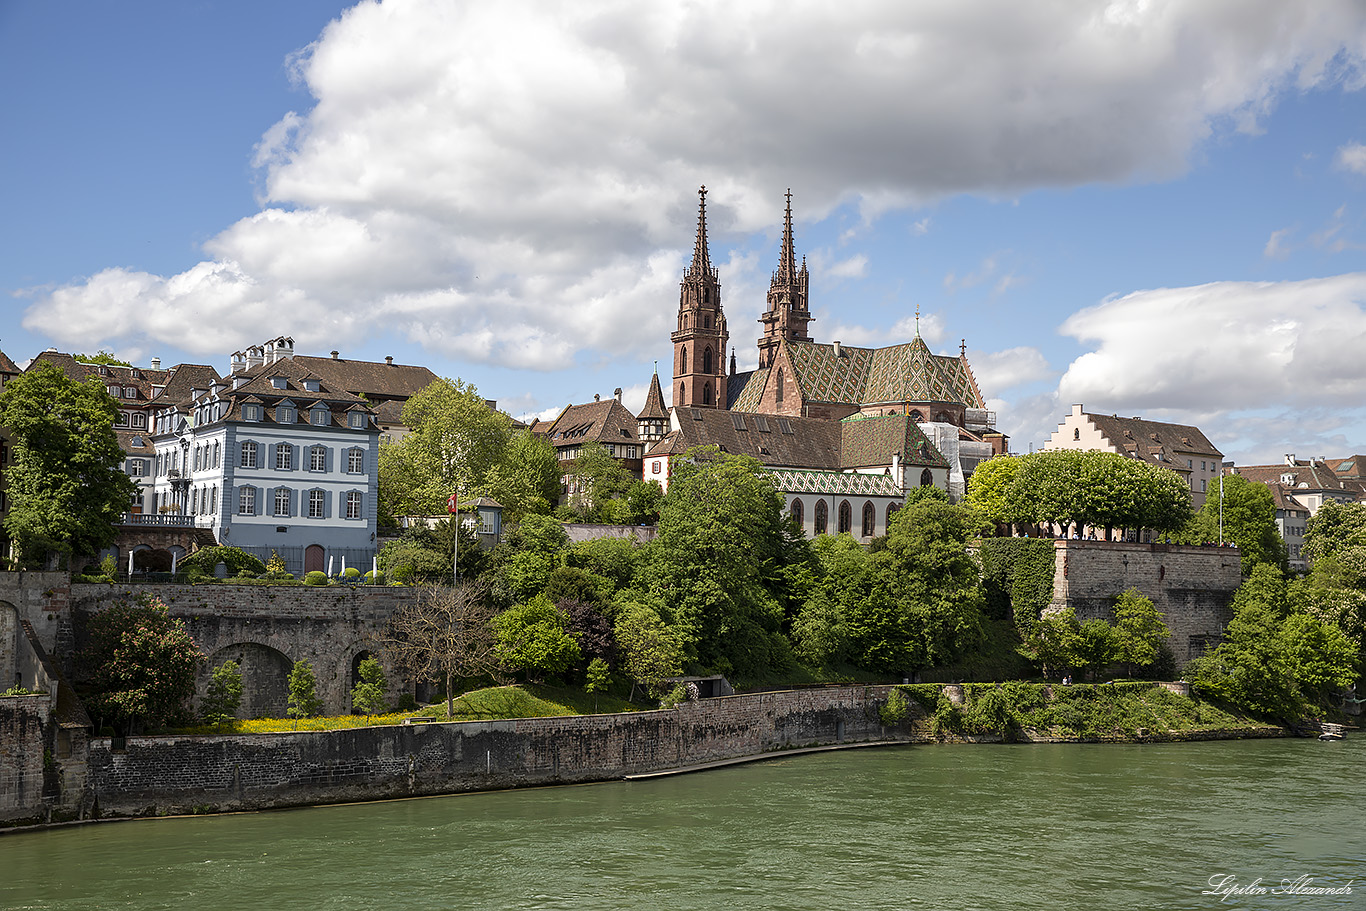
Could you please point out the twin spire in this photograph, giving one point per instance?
(701, 257)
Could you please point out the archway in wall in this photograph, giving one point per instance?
(313, 558)
(265, 678)
(151, 560)
(9, 646)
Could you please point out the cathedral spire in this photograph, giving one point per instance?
(701, 257)
(788, 312)
(787, 258)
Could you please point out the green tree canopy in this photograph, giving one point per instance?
(66, 485)
(534, 639)
(989, 489)
(303, 691)
(224, 695)
(1100, 489)
(596, 478)
(139, 664)
(1249, 521)
(526, 478)
(650, 651)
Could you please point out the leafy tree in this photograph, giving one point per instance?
(599, 678)
(224, 695)
(643, 502)
(650, 650)
(303, 691)
(537, 544)
(1101, 489)
(534, 638)
(1247, 669)
(140, 664)
(234, 559)
(989, 489)
(525, 478)
(455, 440)
(66, 484)
(445, 634)
(612, 560)
(595, 479)
(1055, 641)
(925, 607)
(1317, 655)
(101, 357)
(367, 697)
(843, 571)
(1336, 528)
(1095, 647)
(1139, 630)
(720, 563)
(1249, 520)
(591, 629)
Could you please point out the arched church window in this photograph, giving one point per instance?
(682, 395)
(780, 384)
(706, 321)
(1076, 433)
(891, 511)
(822, 517)
(846, 516)
(917, 416)
(683, 359)
(926, 479)
(706, 394)
(869, 519)
(706, 361)
(797, 511)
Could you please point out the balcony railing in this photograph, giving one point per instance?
(172, 520)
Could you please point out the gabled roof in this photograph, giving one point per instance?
(373, 379)
(146, 381)
(1304, 476)
(1154, 441)
(654, 402)
(744, 390)
(606, 421)
(772, 439)
(908, 372)
(7, 366)
(183, 379)
(870, 441)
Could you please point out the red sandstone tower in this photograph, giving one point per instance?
(701, 337)
(788, 310)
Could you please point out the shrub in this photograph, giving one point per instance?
(236, 560)
(316, 577)
(351, 574)
(373, 578)
(224, 696)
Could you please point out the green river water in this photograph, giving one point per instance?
(934, 827)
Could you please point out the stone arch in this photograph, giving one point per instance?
(9, 646)
(151, 559)
(917, 416)
(265, 677)
(313, 558)
(869, 519)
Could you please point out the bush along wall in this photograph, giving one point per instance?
(1017, 574)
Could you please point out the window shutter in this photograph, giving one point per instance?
(327, 459)
(296, 454)
(294, 502)
(327, 498)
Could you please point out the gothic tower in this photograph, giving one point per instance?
(701, 337)
(788, 312)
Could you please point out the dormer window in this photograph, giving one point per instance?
(312, 385)
(130, 392)
(251, 412)
(284, 414)
(321, 417)
(279, 382)
(356, 420)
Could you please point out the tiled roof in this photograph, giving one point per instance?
(146, 381)
(908, 372)
(606, 421)
(136, 442)
(793, 480)
(255, 386)
(1154, 441)
(373, 379)
(743, 390)
(870, 441)
(654, 402)
(1305, 476)
(183, 379)
(772, 439)
(7, 366)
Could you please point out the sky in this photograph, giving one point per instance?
(1149, 208)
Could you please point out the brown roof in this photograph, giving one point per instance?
(1304, 475)
(778, 440)
(606, 421)
(168, 386)
(256, 386)
(136, 442)
(372, 379)
(1154, 441)
(7, 366)
(654, 402)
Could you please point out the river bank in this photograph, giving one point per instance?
(195, 774)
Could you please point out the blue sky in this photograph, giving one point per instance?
(1150, 208)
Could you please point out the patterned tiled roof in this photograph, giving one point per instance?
(795, 480)
(870, 441)
(898, 373)
(744, 390)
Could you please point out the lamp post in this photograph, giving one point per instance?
(453, 507)
(1221, 507)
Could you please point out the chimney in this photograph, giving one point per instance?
(839, 352)
(389, 360)
(596, 397)
(255, 356)
(335, 355)
(1290, 459)
(616, 394)
(156, 363)
(239, 362)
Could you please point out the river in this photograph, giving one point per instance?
(934, 827)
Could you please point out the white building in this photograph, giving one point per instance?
(273, 461)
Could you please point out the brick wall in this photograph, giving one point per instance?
(24, 726)
(171, 774)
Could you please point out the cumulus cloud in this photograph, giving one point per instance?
(512, 183)
(1223, 346)
(997, 371)
(1352, 157)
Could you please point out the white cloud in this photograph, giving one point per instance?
(1221, 347)
(854, 267)
(921, 227)
(511, 183)
(1275, 244)
(1352, 157)
(998, 371)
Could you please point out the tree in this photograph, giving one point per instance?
(1249, 521)
(1335, 528)
(367, 697)
(1139, 630)
(224, 695)
(1100, 489)
(650, 651)
(596, 478)
(537, 544)
(66, 484)
(101, 357)
(599, 677)
(843, 574)
(643, 502)
(140, 664)
(720, 563)
(989, 489)
(454, 442)
(534, 638)
(1054, 641)
(303, 691)
(526, 478)
(925, 604)
(444, 634)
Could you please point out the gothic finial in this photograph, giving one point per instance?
(917, 321)
(787, 261)
(963, 348)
